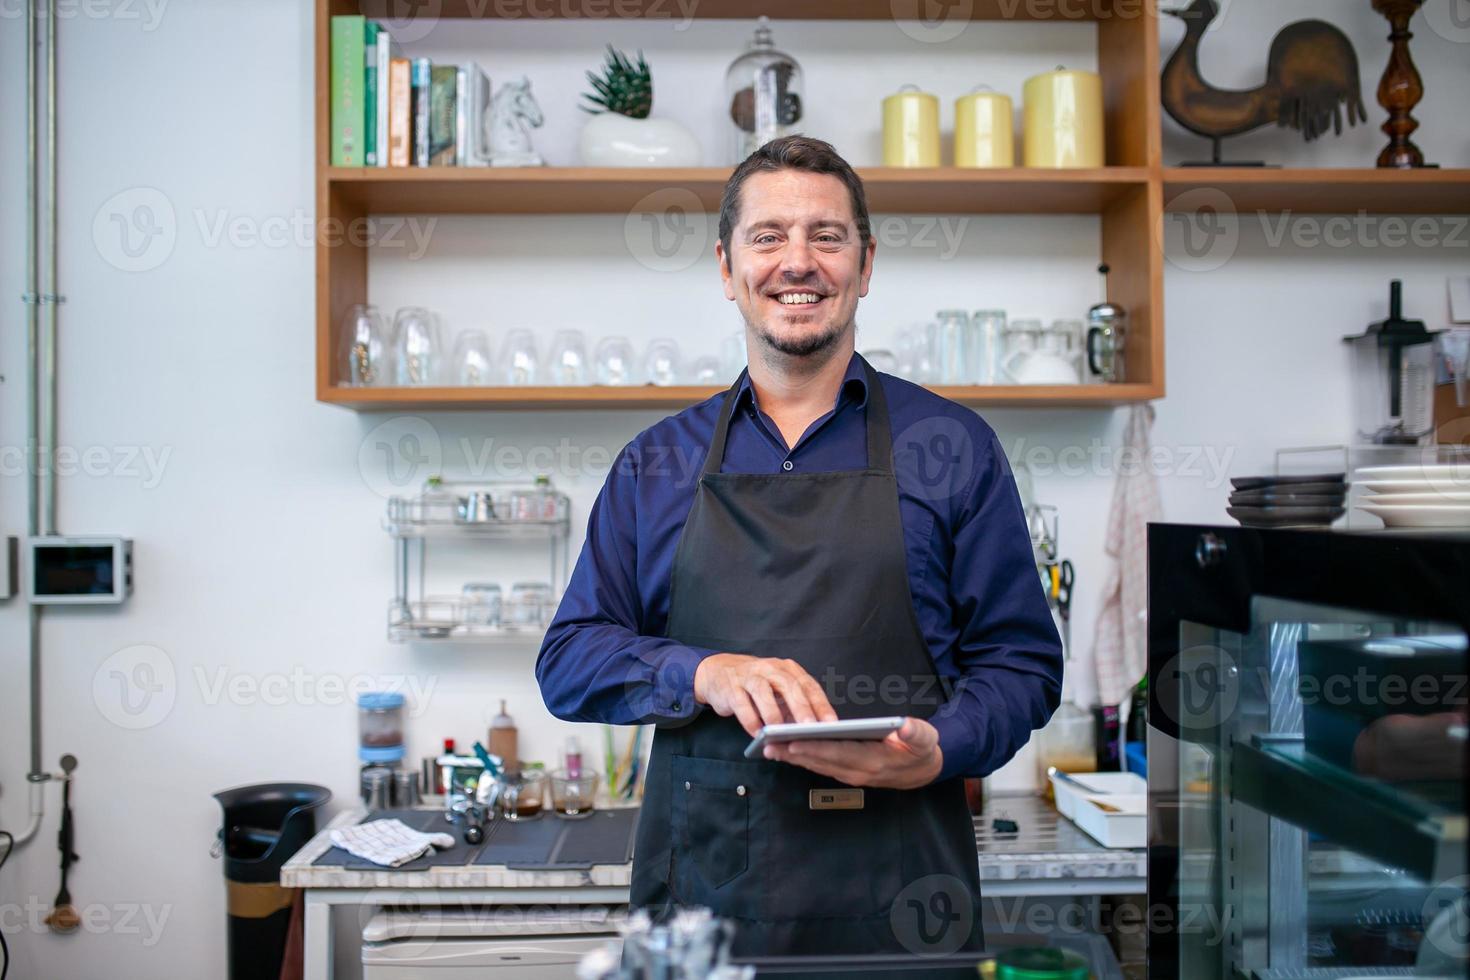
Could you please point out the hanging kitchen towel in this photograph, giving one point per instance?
(1120, 641)
(388, 842)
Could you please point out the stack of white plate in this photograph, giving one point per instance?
(1422, 495)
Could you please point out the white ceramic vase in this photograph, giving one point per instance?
(611, 139)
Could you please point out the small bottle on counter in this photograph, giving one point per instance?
(574, 758)
(503, 738)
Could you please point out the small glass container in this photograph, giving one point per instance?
(483, 604)
(471, 360)
(364, 347)
(763, 89)
(952, 342)
(614, 361)
(530, 605)
(662, 364)
(987, 345)
(417, 347)
(574, 797)
(519, 362)
(379, 719)
(522, 796)
(567, 364)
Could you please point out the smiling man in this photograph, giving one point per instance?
(853, 547)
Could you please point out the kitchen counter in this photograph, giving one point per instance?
(1047, 856)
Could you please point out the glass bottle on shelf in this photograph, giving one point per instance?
(763, 89)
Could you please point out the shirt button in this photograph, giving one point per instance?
(786, 465)
(675, 706)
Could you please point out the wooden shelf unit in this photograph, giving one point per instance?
(1126, 195)
(1324, 190)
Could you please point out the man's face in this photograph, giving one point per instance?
(797, 265)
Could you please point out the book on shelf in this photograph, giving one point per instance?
(442, 80)
(422, 86)
(471, 108)
(388, 49)
(400, 113)
(370, 94)
(348, 76)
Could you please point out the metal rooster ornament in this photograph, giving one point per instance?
(1311, 73)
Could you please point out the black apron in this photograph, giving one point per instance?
(809, 567)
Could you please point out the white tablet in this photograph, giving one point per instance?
(863, 729)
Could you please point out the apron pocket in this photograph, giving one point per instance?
(713, 803)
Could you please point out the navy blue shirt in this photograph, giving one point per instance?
(972, 575)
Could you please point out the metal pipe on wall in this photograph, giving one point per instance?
(39, 483)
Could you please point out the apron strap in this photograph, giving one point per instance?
(880, 432)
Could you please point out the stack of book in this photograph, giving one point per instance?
(392, 111)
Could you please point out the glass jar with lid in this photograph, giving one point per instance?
(379, 722)
(763, 89)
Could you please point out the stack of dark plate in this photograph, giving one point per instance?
(1288, 501)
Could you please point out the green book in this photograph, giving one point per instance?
(348, 104)
(372, 79)
(441, 115)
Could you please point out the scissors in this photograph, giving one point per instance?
(1063, 578)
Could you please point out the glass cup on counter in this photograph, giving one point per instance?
(523, 795)
(484, 604)
(518, 359)
(364, 347)
(574, 797)
(661, 362)
(567, 363)
(471, 359)
(614, 361)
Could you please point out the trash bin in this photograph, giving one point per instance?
(263, 825)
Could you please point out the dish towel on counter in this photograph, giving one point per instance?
(388, 842)
(1120, 642)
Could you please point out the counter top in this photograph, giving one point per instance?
(1047, 846)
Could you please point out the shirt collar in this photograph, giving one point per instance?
(854, 385)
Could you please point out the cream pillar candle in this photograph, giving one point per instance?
(1063, 119)
(983, 130)
(911, 129)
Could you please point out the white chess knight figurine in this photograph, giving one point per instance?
(513, 113)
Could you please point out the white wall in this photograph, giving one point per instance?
(259, 556)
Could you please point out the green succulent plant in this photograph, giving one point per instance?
(622, 87)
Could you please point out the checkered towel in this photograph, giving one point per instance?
(388, 842)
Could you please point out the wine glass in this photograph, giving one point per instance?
(416, 346)
(518, 359)
(661, 362)
(364, 348)
(614, 361)
(568, 361)
(472, 362)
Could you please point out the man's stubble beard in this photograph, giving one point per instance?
(804, 346)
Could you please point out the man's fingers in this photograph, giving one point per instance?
(745, 712)
(917, 736)
(764, 697)
(794, 694)
(816, 697)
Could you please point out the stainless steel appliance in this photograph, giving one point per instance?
(498, 941)
(1307, 731)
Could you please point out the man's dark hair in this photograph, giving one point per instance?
(793, 153)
